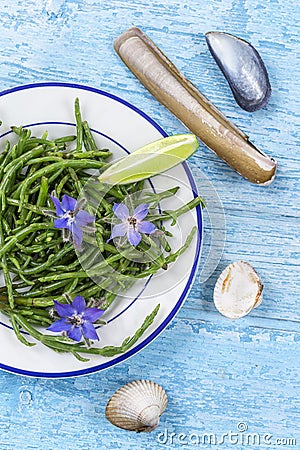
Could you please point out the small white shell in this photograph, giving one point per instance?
(137, 406)
(238, 290)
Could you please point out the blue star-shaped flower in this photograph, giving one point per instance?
(76, 319)
(71, 217)
(133, 225)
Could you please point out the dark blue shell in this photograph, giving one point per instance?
(242, 67)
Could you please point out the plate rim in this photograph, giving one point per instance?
(146, 341)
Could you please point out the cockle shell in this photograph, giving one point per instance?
(137, 406)
(238, 290)
(242, 67)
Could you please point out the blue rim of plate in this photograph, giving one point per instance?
(192, 275)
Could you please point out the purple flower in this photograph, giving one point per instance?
(133, 225)
(71, 217)
(76, 319)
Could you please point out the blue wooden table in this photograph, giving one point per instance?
(223, 378)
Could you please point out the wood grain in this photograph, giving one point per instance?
(217, 373)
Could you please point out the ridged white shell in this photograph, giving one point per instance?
(137, 406)
(238, 290)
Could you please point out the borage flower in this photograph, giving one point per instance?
(71, 217)
(76, 319)
(133, 225)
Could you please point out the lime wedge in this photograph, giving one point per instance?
(151, 159)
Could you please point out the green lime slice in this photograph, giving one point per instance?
(151, 159)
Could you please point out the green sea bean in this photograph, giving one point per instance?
(75, 164)
(89, 137)
(57, 344)
(6, 274)
(173, 215)
(10, 244)
(11, 170)
(79, 128)
(51, 179)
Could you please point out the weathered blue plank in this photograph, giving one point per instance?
(215, 378)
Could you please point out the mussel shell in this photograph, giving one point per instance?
(242, 67)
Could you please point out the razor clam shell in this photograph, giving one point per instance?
(137, 406)
(238, 290)
(159, 75)
(242, 67)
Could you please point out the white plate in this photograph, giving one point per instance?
(123, 128)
